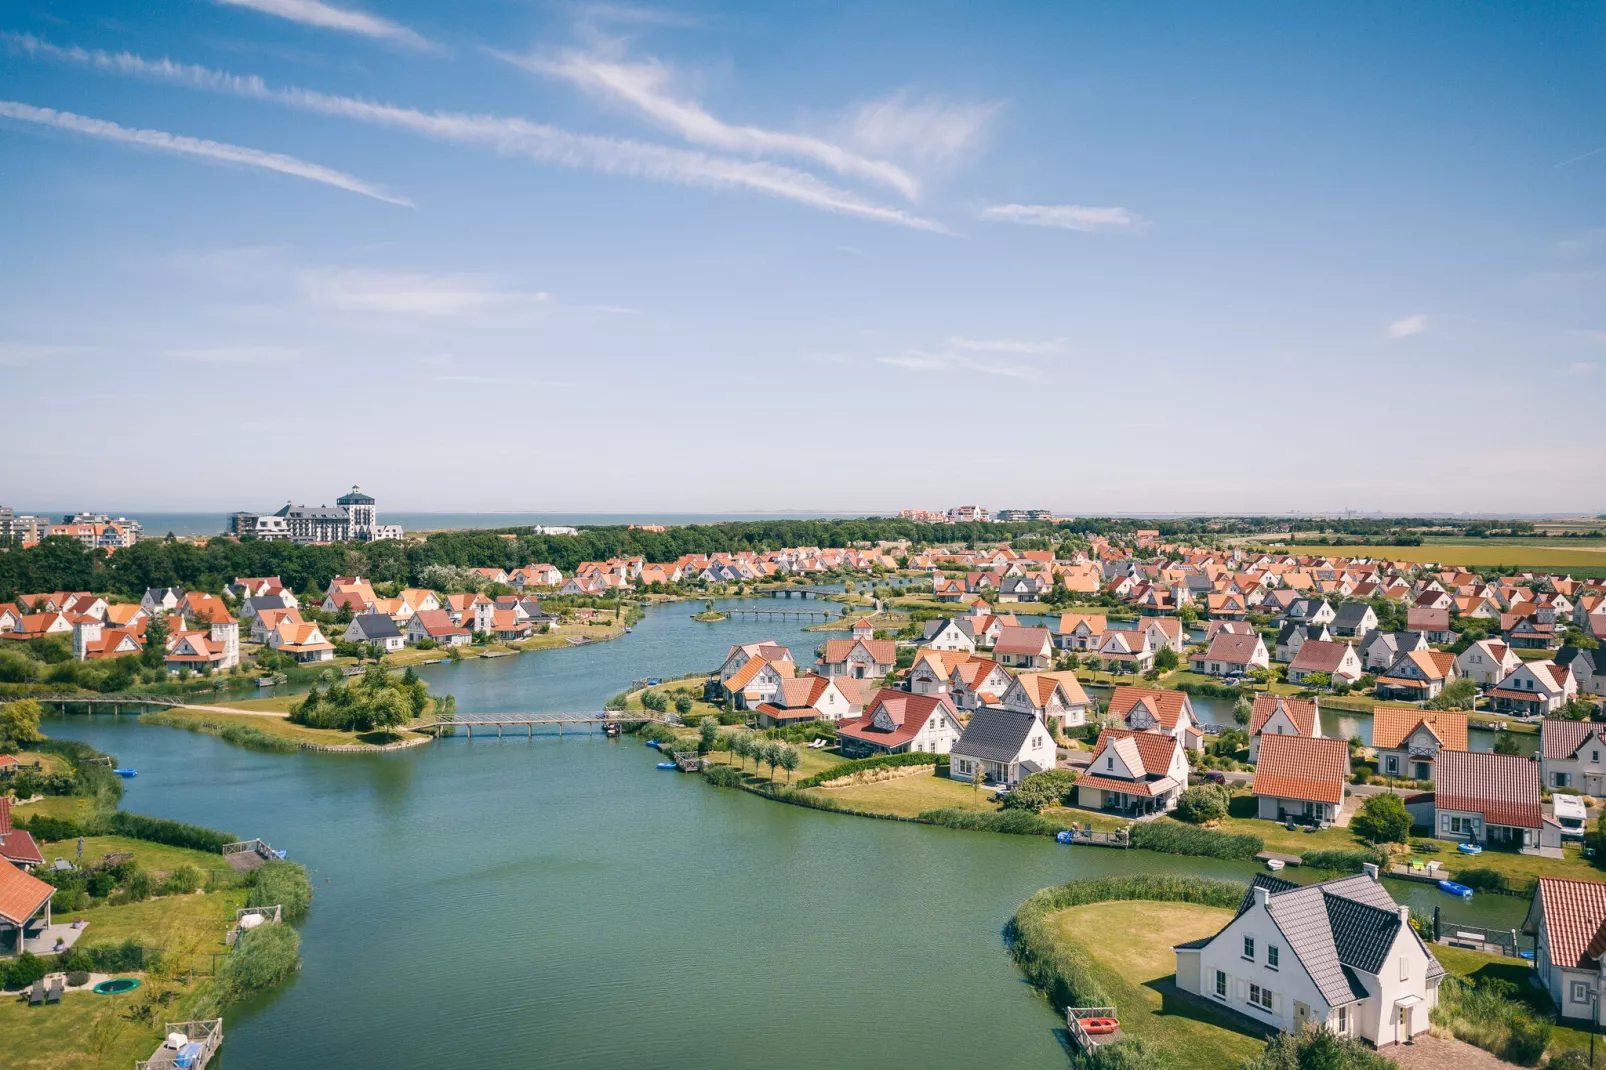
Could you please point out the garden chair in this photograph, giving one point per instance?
(58, 985)
(36, 994)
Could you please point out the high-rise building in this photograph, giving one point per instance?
(362, 511)
(354, 516)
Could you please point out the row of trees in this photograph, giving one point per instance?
(377, 700)
(749, 746)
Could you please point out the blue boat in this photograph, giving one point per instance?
(668, 765)
(652, 743)
(126, 772)
(1469, 848)
(1455, 889)
(1064, 836)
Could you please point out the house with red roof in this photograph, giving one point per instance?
(1567, 919)
(1025, 648)
(1534, 688)
(808, 698)
(1134, 773)
(1417, 675)
(437, 624)
(896, 722)
(16, 845)
(1055, 698)
(1144, 709)
(757, 681)
(1434, 624)
(1338, 660)
(24, 907)
(1124, 650)
(38, 625)
(1229, 654)
(1486, 662)
(1408, 739)
(1279, 716)
(1301, 778)
(862, 659)
(977, 682)
(1488, 799)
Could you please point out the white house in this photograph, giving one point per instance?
(1535, 688)
(862, 659)
(1230, 653)
(1486, 662)
(1488, 799)
(1055, 698)
(1340, 954)
(1300, 778)
(1408, 739)
(1278, 716)
(1134, 773)
(895, 722)
(1002, 746)
(374, 628)
(1025, 648)
(1566, 918)
(1338, 660)
(1080, 631)
(1144, 709)
(947, 634)
(808, 698)
(1571, 754)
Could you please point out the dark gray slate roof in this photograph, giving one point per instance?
(303, 512)
(995, 734)
(267, 601)
(1583, 661)
(376, 625)
(1350, 614)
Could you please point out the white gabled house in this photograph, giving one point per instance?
(1134, 773)
(1278, 716)
(1002, 746)
(1487, 662)
(1055, 698)
(1535, 688)
(1567, 919)
(1340, 954)
(1571, 754)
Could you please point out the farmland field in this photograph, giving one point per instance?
(1480, 553)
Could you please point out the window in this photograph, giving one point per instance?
(1394, 764)
(1594, 755)
(1260, 997)
(1271, 956)
(1563, 779)
(1221, 984)
(1580, 991)
(1249, 948)
(1405, 967)
(1109, 763)
(1343, 1021)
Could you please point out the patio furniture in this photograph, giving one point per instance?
(58, 985)
(36, 994)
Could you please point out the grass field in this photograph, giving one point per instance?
(70, 807)
(909, 796)
(157, 857)
(215, 723)
(1477, 966)
(1476, 553)
(1139, 970)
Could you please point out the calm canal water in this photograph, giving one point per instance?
(559, 902)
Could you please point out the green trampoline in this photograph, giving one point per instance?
(116, 985)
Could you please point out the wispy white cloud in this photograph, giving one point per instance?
(1406, 327)
(1065, 216)
(920, 361)
(396, 293)
(236, 354)
(633, 15)
(645, 86)
(191, 146)
(1008, 345)
(19, 353)
(928, 130)
(518, 137)
(328, 17)
(1582, 367)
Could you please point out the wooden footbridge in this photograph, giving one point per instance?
(781, 614)
(609, 721)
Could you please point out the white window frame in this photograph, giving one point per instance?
(1271, 956)
(1249, 948)
(1578, 991)
(1221, 984)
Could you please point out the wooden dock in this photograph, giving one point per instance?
(1400, 871)
(782, 614)
(207, 1032)
(1092, 838)
(609, 721)
(1081, 1037)
(247, 855)
(1287, 860)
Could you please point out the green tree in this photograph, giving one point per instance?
(1506, 743)
(19, 722)
(389, 709)
(1382, 819)
(1457, 695)
(1165, 659)
(770, 755)
(155, 651)
(1202, 803)
(683, 704)
(707, 735)
(1242, 710)
(789, 761)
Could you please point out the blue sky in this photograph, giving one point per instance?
(600, 256)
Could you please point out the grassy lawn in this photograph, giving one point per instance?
(1277, 836)
(1139, 971)
(186, 924)
(1476, 966)
(1474, 553)
(271, 704)
(1101, 822)
(70, 807)
(909, 796)
(152, 856)
(274, 726)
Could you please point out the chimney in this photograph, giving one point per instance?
(5, 815)
(1405, 916)
(1370, 869)
(1261, 895)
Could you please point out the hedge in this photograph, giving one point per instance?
(1063, 971)
(722, 776)
(1172, 837)
(171, 833)
(1342, 859)
(241, 735)
(1014, 822)
(881, 761)
(280, 883)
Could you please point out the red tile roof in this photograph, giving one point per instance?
(1504, 788)
(908, 713)
(882, 651)
(1298, 767)
(1575, 920)
(1561, 739)
(1232, 648)
(1319, 655)
(1167, 706)
(1029, 641)
(1392, 725)
(1149, 753)
(1304, 714)
(21, 894)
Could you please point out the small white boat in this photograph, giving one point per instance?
(1274, 864)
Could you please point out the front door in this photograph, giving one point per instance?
(1424, 771)
(1301, 1016)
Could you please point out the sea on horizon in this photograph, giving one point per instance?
(193, 524)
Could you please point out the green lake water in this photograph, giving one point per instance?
(561, 903)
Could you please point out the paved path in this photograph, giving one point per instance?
(1428, 1052)
(232, 709)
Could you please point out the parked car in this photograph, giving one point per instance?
(1215, 776)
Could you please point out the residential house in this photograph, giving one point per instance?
(1025, 648)
(808, 698)
(932, 671)
(352, 600)
(1354, 619)
(1124, 650)
(757, 681)
(1434, 624)
(1408, 739)
(1567, 919)
(17, 846)
(1228, 627)
(1417, 676)
(1486, 662)
(263, 624)
(1134, 773)
(1226, 607)
(255, 604)
(437, 625)
(978, 682)
(946, 633)
(1056, 698)
(1379, 650)
(1340, 955)
(1531, 627)
(1144, 709)
(1293, 636)
(421, 600)
(1080, 631)
(304, 642)
(1534, 688)
(1338, 660)
(1310, 611)
(1587, 666)
(862, 659)
(1230, 654)
(92, 639)
(1279, 716)
(160, 599)
(1301, 778)
(1027, 588)
(24, 906)
(1570, 755)
(947, 590)
(1164, 632)
(739, 655)
(195, 652)
(39, 625)
(1002, 746)
(895, 722)
(542, 575)
(1488, 799)
(376, 628)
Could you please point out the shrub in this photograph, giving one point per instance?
(1317, 1048)
(171, 833)
(1013, 822)
(1382, 819)
(1343, 860)
(138, 886)
(24, 970)
(1173, 837)
(51, 828)
(1485, 1015)
(880, 761)
(78, 978)
(1040, 789)
(1202, 803)
(722, 776)
(261, 958)
(1481, 878)
(182, 881)
(241, 735)
(121, 958)
(1128, 1053)
(281, 883)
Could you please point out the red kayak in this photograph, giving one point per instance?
(1098, 1026)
